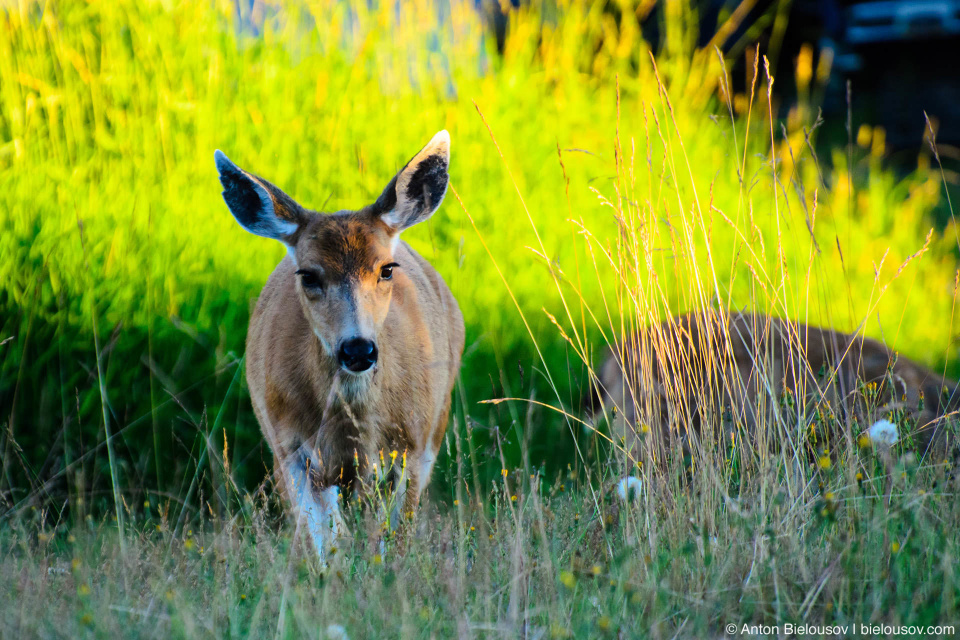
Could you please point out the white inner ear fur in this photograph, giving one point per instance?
(267, 223)
(438, 145)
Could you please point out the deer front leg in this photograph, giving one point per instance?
(400, 491)
(417, 477)
(314, 506)
(402, 505)
(409, 483)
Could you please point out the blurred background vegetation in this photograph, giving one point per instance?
(126, 286)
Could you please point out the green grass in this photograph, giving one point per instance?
(680, 562)
(584, 201)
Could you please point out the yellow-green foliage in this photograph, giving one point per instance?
(110, 113)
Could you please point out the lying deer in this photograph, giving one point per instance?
(355, 343)
(765, 378)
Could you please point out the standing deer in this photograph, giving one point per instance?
(767, 380)
(355, 343)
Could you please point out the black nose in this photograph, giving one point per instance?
(357, 354)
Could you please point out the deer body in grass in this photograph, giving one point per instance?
(769, 382)
(354, 345)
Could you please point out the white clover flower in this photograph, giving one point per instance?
(628, 489)
(336, 632)
(884, 432)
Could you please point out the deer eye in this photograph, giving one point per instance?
(386, 271)
(310, 280)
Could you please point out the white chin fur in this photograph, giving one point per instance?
(353, 385)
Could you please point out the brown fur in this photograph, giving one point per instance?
(333, 422)
(294, 383)
(755, 374)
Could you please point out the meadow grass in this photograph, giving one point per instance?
(528, 558)
(595, 189)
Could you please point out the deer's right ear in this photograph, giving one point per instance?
(258, 206)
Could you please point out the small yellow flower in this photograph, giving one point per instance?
(829, 495)
(644, 428)
(804, 66)
(824, 462)
(243, 596)
(895, 547)
(84, 590)
(596, 569)
(513, 498)
(603, 622)
(188, 544)
(377, 559)
(86, 619)
(456, 503)
(863, 441)
(504, 472)
(472, 528)
(568, 579)
(859, 476)
(75, 564)
(146, 503)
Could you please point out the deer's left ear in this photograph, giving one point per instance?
(417, 191)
